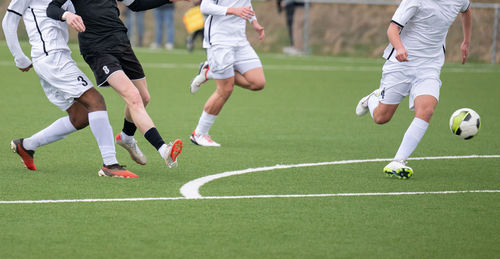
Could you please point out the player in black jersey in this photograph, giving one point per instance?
(106, 48)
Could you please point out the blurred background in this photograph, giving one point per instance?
(354, 28)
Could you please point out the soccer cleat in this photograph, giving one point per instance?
(174, 149)
(132, 148)
(362, 107)
(200, 78)
(16, 146)
(203, 140)
(398, 169)
(116, 170)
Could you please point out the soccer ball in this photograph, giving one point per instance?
(465, 123)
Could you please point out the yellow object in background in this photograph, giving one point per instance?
(193, 19)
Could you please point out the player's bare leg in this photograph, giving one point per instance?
(212, 108)
(384, 112)
(126, 137)
(424, 109)
(253, 79)
(131, 95)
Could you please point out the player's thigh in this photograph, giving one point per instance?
(142, 86)
(221, 61)
(246, 60)
(61, 79)
(125, 88)
(428, 84)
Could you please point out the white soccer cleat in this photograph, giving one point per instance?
(203, 140)
(398, 169)
(200, 78)
(362, 107)
(132, 148)
(173, 150)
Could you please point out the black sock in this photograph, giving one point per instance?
(129, 128)
(154, 138)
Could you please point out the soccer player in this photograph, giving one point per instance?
(106, 48)
(65, 85)
(231, 59)
(415, 55)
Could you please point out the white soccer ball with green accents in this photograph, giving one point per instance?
(465, 123)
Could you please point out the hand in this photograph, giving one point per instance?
(259, 29)
(465, 51)
(26, 69)
(402, 55)
(74, 21)
(243, 12)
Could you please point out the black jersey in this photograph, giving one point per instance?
(103, 28)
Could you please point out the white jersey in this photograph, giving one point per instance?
(221, 28)
(424, 26)
(45, 34)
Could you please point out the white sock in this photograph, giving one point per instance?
(58, 130)
(126, 138)
(412, 137)
(162, 150)
(103, 133)
(205, 123)
(373, 103)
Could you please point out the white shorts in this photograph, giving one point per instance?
(224, 60)
(61, 79)
(396, 84)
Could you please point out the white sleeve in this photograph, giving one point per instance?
(465, 7)
(127, 2)
(406, 10)
(9, 24)
(208, 7)
(253, 17)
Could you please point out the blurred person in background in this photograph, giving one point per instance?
(294, 14)
(195, 23)
(135, 33)
(164, 22)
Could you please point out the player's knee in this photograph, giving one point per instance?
(146, 98)
(381, 119)
(79, 121)
(425, 114)
(258, 85)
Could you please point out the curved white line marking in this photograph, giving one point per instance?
(191, 189)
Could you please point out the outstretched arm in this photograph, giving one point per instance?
(143, 5)
(207, 7)
(395, 39)
(10, 24)
(467, 29)
(259, 29)
(55, 11)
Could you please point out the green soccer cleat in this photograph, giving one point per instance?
(398, 169)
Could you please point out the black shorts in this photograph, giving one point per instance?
(105, 63)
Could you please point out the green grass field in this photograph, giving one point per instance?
(304, 115)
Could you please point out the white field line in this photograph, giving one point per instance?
(309, 68)
(191, 189)
(248, 197)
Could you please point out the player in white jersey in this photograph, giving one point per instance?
(65, 85)
(231, 59)
(415, 55)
